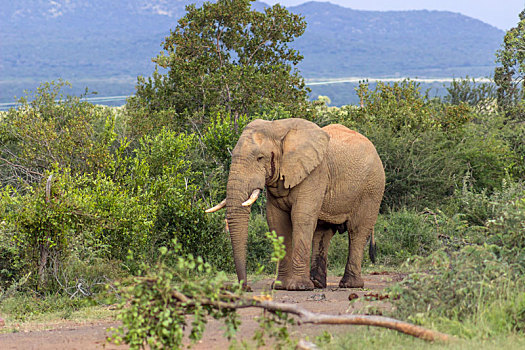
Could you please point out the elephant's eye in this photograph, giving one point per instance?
(260, 158)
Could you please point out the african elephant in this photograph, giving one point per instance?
(318, 181)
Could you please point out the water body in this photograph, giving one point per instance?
(114, 91)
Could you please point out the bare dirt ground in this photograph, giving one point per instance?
(332, 300)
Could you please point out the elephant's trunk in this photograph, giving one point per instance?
(238, 217)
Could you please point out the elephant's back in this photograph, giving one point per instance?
(355, 169)
(345, 135)
(350, 147)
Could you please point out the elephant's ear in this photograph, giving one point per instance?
(304, 147)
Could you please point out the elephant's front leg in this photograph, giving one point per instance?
(279, 221)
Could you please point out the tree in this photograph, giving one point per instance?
(509, 77)
(226, 57)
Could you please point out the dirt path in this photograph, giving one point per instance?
(332, 300)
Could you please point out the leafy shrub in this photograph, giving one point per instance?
(399, 235)
(91, 212)
(152, 315)
(401, 106)
(259, 246)
(481, 96)
(482, 283)
(114, 219)
(222, 135)
(10, 264)
(426, 146)
(473, 284)
(52, 131)
(497, 218)
(162, 168)
(403, 234)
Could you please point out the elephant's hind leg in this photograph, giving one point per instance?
(320, 244)
(356, 243)
(358, 232)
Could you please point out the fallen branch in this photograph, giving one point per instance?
(306, 316)
(232, 301)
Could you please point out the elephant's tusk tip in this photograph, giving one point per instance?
(217, 207)
(253, 198)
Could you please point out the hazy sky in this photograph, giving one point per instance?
(499, 13)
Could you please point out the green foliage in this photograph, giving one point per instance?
(223, 57)
(221, 136)
(426, 145)
(278, 252)
(497, 218)
(403, 234)
(161, 167)
(480, 287)
(155, 303)
(509, 75)
(10, 264)
(474, 285)
(259, 245)
(480, 96)
(82, 213)
(53, 130)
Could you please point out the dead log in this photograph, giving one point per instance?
(233, 301)
(305, 316)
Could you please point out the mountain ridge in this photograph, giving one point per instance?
(78, 39)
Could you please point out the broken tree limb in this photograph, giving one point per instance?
(233, 301)
(306, 316)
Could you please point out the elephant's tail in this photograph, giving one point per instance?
(372, 248)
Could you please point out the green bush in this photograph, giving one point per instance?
(426, 146)
(162, 168)
(468, 290)
(497, 218)
(53, 130)
(152, 311)
(403, 234)
(81, 213)
(259, 246)
(478, 289)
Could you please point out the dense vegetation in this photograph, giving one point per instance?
(90, 195)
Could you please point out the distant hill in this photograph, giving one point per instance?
(107, 44)
(344, 42)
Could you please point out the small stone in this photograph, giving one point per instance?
(306, 345)
(317, 297)
(353, 296)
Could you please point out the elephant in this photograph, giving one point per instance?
(318, 181)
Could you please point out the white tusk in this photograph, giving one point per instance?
(217, 207)
(253, 198)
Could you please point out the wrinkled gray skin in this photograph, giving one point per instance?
(318, 181)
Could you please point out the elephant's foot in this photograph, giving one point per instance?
(278, 285)
(299, 284)
(351, 282)
(318, 279)
(246, 288)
